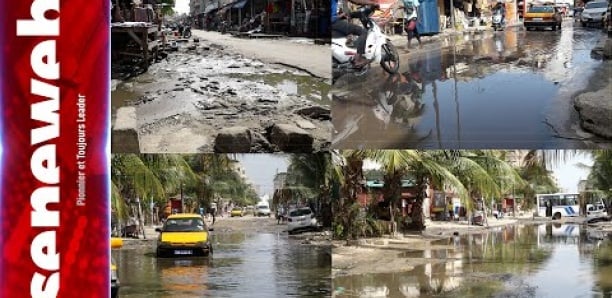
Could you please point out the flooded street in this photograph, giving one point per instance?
(548, 260)
(203, 87)
(512, 89)
(256, 259)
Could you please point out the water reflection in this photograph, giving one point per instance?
(269, 265)
(534, 261)
(500, 88)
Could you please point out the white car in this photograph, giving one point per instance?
(301, 219)
(263, 210)
(593, 12)
(596, 210)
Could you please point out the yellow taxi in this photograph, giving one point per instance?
(539, 16)
(236, 211)
(184, 235)
(115, 243)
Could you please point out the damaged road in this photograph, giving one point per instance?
(207, 98)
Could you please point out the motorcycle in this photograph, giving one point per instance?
(497, 19)
(187, 32)
(378, 47)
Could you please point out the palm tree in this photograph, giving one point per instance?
(316, 173)
(601, 171)
(485, 173)
(425, 167)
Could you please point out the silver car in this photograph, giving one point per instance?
(594, 12)
(301, 219)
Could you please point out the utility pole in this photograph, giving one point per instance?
(182, 200)
(452, 6)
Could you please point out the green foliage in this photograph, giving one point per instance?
(601, 171)
(471, 174)
(202, 178)
(167, 7)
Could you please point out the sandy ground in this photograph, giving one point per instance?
(379, 255)
(298, 53)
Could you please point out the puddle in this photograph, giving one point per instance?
(518, 261)
(242, 263)
(292, 84)
(512, 89)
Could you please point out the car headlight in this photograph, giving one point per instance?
(203, 244)
(164, 244)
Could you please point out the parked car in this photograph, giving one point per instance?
(540, 16)
(237, 211)
(184, 235)
(593, 13)
(301, 219)
(249, 210)
(263, 210)
(596, 210)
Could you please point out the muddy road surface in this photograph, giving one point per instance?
(187, 99)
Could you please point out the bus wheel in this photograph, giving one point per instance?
(557, 216)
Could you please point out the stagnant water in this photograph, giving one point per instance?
(243, 265)
(516, 261)
(505, 89)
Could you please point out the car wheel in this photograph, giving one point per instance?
(159, 253)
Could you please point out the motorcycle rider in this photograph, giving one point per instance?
(341, 25)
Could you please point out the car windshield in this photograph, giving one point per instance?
(541, 9)
(263, 207)
(184, 225)
(596, 5)
(237, 209)
(300, 212)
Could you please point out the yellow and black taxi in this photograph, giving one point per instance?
(184, 235)
(115, 243)
(540, 16)
(237, 211)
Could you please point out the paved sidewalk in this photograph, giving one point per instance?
(300, 53)
(400, 40)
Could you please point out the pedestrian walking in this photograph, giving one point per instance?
(411, 19)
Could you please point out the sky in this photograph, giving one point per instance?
(568, 174)
(181, 6)
(261, 169)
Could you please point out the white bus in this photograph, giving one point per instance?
(566, 204)
(563, 204)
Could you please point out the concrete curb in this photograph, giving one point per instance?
(124, 137)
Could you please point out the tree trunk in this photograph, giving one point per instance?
(417, 208)
(391, 193)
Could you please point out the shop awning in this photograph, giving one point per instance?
(210, 7)
(240, 4)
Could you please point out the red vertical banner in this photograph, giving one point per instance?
(54, 166)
